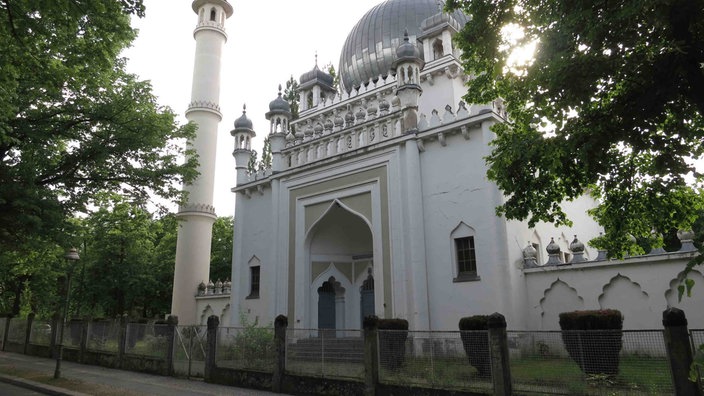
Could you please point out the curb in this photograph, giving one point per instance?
(39, 387)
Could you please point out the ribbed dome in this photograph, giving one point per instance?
(370, 48)
(279, 104)
(243, 122)
(407, 50)
(315, 75)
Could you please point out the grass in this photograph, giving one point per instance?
(638, 375)
(444, 373)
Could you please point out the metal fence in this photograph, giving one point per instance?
(147, 339)
(437, 359)
(17, 331)
(3, 324)
(189, 351)
(246, 348)
(40, 333)
(589, 362)
(325, 353)
(103, 336)
(697, 336)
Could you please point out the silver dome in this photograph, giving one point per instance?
(370, 48)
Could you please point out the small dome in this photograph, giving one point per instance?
(529, 252)
(315, 76)
(243, 122)
(279, 105)
(576, 246)
(553, 248)
(406, 49)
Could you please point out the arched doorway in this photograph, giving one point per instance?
(326, 305)
(366, 292)
(340, 255)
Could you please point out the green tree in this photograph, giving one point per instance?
(73, 122)
(330, 69)
(610, 104)
(221, 249)
(291, 94)
(252, 163)
(265, 162)
(118, 258)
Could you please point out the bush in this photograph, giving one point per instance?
(593, 339)
(475, 340)
(392, 344)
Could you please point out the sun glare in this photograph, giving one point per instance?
(520, 53)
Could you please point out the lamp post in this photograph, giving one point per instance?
(71, 257)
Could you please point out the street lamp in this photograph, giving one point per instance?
(71, 257)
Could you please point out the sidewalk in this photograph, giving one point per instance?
(78, 379)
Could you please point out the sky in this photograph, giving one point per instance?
(268, 42)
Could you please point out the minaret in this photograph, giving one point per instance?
(198, 214)
(407, 66)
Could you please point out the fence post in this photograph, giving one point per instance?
(122, 340)
(8, 319)
(210, 347)
(172, 321)
(28, 331)
(498, 352)
(54, 333)
(280, 326)
(679, 351)
(371, 354)
(83, 346)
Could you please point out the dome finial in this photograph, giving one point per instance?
(279, 89)
(405, 35)
(244, 108)
(316, 58)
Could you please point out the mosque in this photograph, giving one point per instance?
(377, 200)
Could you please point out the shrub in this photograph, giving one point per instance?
(392, 344)
(475, 340)
(593, 339)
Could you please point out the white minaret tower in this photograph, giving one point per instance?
(198, 214)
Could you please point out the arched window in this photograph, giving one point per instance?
(437, 49)
(309, 100)
(464, 253)
(254, 277)
(213, 14)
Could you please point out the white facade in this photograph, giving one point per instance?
(380, 186)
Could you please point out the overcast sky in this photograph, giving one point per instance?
(268, 42)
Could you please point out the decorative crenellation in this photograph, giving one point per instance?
(203, 104)
(210, 25)
(319, 143)
(449, 116)
(214, 289)
(577, 248)
(199, 208)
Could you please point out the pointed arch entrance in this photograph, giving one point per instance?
(340, 246)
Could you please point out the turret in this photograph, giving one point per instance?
(407, 67)
(314, 87)
(437, 32)
(243, 134)
(279, 116)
